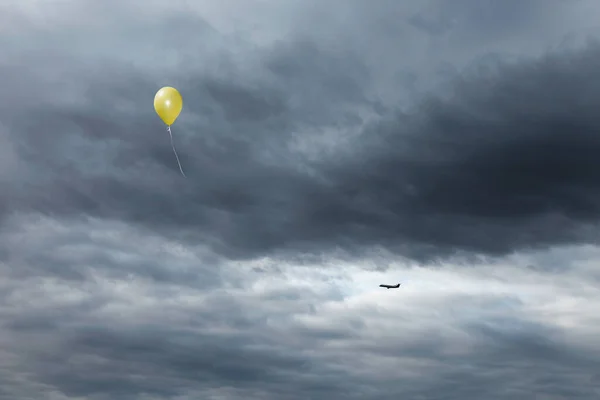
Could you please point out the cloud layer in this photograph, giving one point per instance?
(329, 147)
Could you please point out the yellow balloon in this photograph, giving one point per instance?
(168, 104)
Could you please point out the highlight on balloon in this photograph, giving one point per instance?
(168, 104)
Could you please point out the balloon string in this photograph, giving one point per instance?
(175, 151)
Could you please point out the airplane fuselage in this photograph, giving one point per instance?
(390, 286)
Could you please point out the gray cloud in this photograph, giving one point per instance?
(517, 143)
(462, 335)
(330, 146)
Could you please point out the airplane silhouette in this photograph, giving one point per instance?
(390, 286)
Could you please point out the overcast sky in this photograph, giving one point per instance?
(329, 146)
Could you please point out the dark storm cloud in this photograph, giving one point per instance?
(34, 247)
(508, 162)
